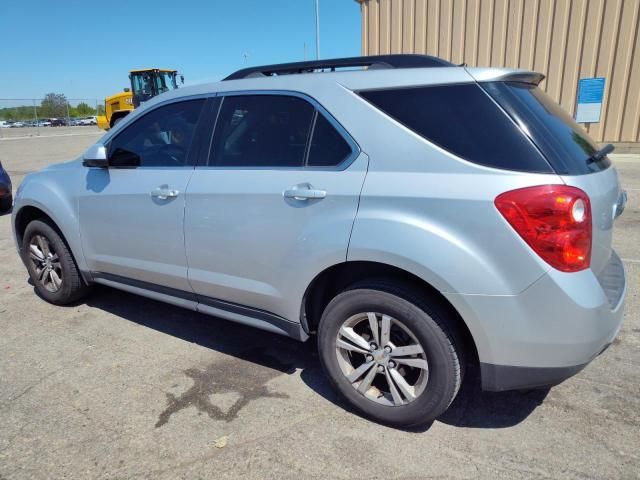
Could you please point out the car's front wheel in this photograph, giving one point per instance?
(51, 266)
(392, 355)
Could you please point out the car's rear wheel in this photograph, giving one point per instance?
(392, 355)
(51, 266)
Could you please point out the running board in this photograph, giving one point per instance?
(210, 306)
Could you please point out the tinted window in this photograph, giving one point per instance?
(328, 148)
(463, 120)
(261, 131)
(161, 138)
(564, 143)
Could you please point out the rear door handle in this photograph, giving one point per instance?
(304, 191)
(163, 192)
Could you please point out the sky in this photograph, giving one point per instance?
(85, 48)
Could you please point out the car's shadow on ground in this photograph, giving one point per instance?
(263, 350)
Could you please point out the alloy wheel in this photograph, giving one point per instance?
(46, 263)
(382, 359)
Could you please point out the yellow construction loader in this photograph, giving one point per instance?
(145, 84)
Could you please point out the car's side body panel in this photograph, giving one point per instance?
(408, 225)
(246, 243)
(55, 192)
(127, 232)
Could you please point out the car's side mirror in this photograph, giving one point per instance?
(95, 156)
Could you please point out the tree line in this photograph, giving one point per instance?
(53, 105)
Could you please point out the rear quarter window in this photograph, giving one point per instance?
(328, 148)
(563, 142)
(463, 120)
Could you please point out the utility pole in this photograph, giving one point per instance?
(317, 29)
(35, 114)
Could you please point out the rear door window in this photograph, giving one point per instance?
(463, 120)
(261, 131)
(562, 141)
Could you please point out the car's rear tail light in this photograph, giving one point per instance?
(554, 220)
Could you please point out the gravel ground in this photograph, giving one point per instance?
(124, 387)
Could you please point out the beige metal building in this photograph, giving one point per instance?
(565, 39)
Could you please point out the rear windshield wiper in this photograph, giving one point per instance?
(600, 154)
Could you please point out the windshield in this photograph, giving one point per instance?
(564, 143)
(148, 84)
(165, 81)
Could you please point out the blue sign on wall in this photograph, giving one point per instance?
(590, 94)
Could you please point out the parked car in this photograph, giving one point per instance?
(88, 121)
(57, 122)
(43, 123)
(6, 199)
(5, 124)
(417, 217)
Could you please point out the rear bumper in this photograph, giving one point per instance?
(550, 331)
(497, 378)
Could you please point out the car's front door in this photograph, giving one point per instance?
(274, 205)
(132, 214)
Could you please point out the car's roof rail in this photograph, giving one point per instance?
(372, 62)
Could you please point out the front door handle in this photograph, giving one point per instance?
(163, 192)
(304, 191)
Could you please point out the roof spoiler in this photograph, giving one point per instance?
(504, 75)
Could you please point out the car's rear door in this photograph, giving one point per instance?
(274, 204)
(132, 217)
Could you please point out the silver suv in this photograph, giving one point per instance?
(416, 216)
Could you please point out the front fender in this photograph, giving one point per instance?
(55, 194)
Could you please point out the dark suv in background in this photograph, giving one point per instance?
(6, 198)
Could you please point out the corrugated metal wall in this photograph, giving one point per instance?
(564, 39)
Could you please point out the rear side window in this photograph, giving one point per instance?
(261, 131)
(564, 143)
(463, 120)
(328, 148)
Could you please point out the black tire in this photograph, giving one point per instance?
(6, 204)
(73, 287)
(429, 321)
